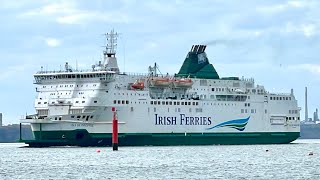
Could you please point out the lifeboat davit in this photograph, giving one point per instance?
(182, 83)
(139, 84)
(160, 81)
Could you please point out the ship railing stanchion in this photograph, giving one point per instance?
(114, 130)
(20, 133)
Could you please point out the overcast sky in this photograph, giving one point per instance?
(275, 42)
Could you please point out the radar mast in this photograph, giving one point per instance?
(110, 60)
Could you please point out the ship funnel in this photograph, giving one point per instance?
(196, 64)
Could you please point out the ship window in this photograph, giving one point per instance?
(174, 103)
(123, 102)
(95, 101)
(114, 102)
(197, 103)
(151, 102)
(189, 109)
(55, 118)
(212, 89)
(298, 118)
(60, 118)
(246, 110)
(166, 102)
(178, 103)
(154, 109)
(242, 110)
(189, 103)
(265, 111)
(170, 103)
(270, 98)
(178, 109)
(52, 102)
(280, 98)
(78, 117)
(127, 102)
(119, 102)
(158, 102)
(252, 110)
(83, 117)
(39, 102)
(72, 116)
(248, 104)
(83, 101)
(182, 103)
(163, 102)
(45, 102)
(193, 103)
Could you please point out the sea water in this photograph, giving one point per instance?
(288, 161)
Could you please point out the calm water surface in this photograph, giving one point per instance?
(290, 161)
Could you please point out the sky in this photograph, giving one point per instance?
(275, 42)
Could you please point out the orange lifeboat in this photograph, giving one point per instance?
(182, 83)
(160, 81)
(139, 84)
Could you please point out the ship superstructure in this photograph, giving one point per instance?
(193, 107)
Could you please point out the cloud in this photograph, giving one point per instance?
(307, 30)
(313, 68)
(87, 16)
(14, 71)
(52, 42)
(68, 12)
(278, 8)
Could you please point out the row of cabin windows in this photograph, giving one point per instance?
(68, 102)
(69, 76)
(247, 111)
(131, 94)
(94, 85)
(173, 103)
(280, 98)
(292, 118)
(176, 109)
(120, 102)
(51, 94)
(293, 111)
(83, 117)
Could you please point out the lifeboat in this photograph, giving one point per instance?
(139, 84)
(160, 81)
(182, 83)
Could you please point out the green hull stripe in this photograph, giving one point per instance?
(83, 138)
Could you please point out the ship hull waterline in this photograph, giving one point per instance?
(84, 139)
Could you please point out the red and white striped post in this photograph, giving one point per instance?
(114, 130)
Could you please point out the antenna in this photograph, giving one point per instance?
(111, 45)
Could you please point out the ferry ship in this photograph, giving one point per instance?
(192, 107)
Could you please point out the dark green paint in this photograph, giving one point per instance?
(83, 138)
